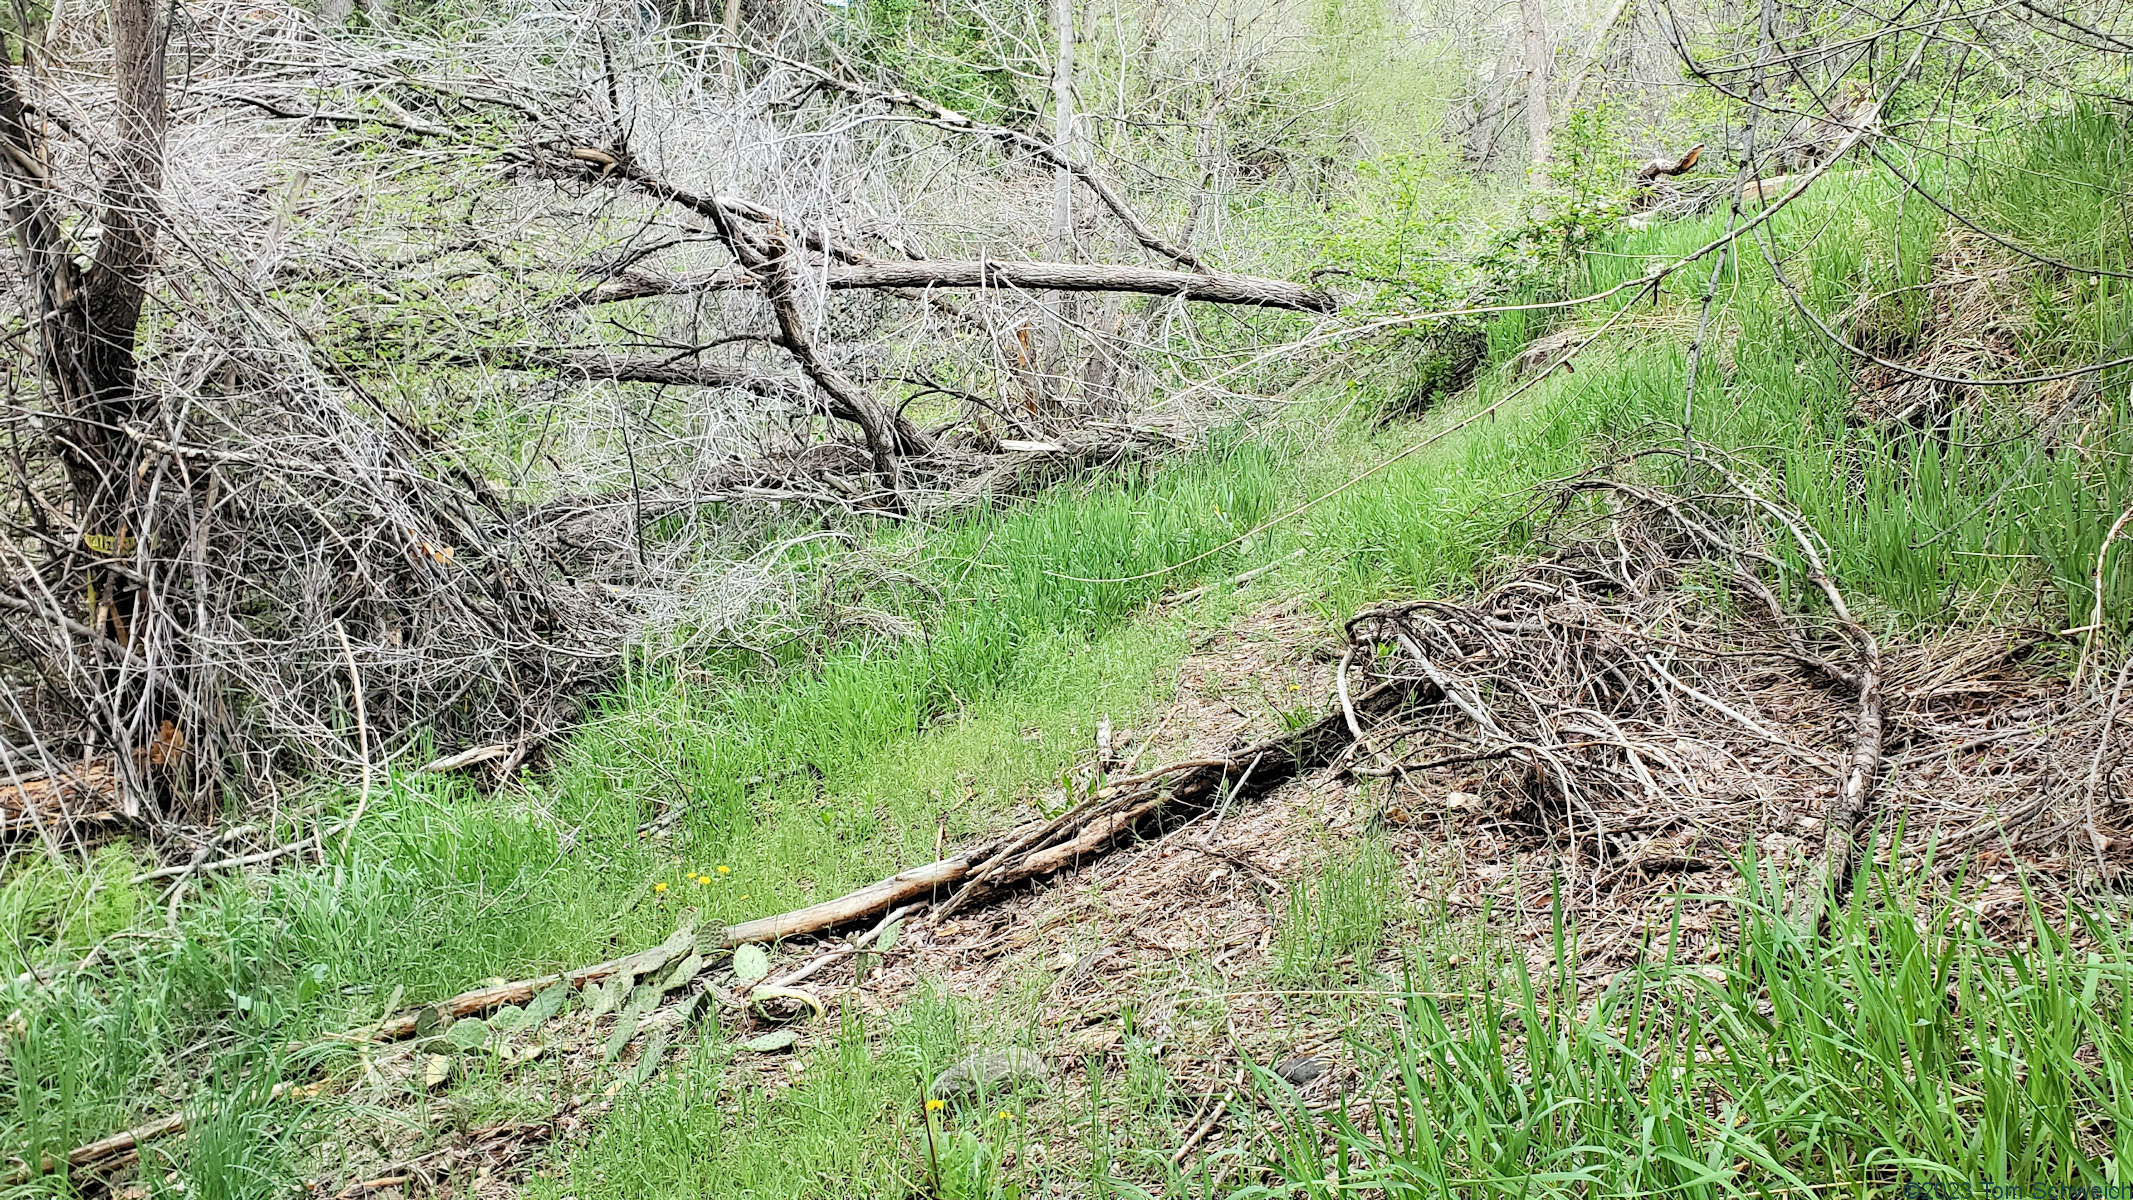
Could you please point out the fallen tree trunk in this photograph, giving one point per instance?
(1178, 790)
(481, 1000)
(672, 371)
(1670, 167)
(130, 1139)
(867, 901)
(669, 370)
(920, 274)
(1171, 793)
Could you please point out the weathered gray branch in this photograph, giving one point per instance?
(674, 372)
(1212, 287)
(686, 372)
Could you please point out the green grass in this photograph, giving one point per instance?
(1927, 525)
(1910, 539)
(1341, 914)
(1908, 1043)
(851, 1124)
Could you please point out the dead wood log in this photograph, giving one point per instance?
(667, 370)
(1848, 807)
(1669, 167)
(1211, 287)
(481, 1000)
(81, 795)
(683, 372)
(1759, 191)
(125, 1140)
(874, 898)
(768, 261)
(1185, 789)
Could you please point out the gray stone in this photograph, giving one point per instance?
(1301, 1069)
(990, 1070)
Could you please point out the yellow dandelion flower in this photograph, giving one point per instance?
(1006, 1115)
(723, 869)
(659, 887)
(936, 1105)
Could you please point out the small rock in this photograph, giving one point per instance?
(1301, 1069)
(989, 1070)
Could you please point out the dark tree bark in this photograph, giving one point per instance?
(88, 321)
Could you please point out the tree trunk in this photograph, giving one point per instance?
(1063, 129)
(125, 244)
(1539, 125)
(732, 25)
(1049, 371)
(88, 321)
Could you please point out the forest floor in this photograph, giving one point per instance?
(1375, 977)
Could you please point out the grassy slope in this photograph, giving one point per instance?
(1861, 1072)
(848, 764)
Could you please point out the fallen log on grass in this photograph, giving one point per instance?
(130, 1139)
(1168, 794)
(1761, 191)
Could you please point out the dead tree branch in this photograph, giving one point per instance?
(1207, 287)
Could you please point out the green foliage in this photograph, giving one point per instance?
(1966, 514)
(959, 53)
(1340, 915)
(238, 1145)
(853, 1124)
(963, 675)
(1908, 1043)
(974, 1163)
(806, 780)
(437, 891)
(819, 777)
(1413, 228)
(1385, 87)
